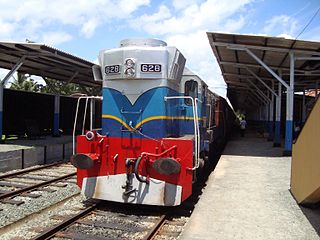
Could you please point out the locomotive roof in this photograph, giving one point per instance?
(45, 61)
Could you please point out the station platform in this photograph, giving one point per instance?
(22, 153)
(247, 197)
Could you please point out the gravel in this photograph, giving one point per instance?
(30, 226)
(13, 213)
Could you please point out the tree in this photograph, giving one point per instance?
(22, 82)
(58, 87)
(25, 83)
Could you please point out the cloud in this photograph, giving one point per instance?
(190, 17)
(196, 49)
(132, 5)
(181, 4)
(281, 25)
(185, 27)
(89, 27)
(31, 18)
(55, 38)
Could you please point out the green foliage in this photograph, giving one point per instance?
(25, 84)
(52, 86)
(239, 115)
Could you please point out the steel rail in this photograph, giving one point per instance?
(64, 224)
(155, 229)
(35, 186)
(30, 170)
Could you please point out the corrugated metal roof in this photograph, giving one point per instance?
(234, 62)
(46, 61)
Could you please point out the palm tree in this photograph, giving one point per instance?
(22, 82)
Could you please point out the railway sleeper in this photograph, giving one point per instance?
(109, 225)
(12, 201)
(80, 236)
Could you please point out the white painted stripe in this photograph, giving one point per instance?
(110, 188)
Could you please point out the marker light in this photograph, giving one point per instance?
(89, 135)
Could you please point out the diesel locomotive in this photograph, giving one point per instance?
(159, 121)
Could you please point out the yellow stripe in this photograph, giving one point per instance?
(117, 119)
(148, 119)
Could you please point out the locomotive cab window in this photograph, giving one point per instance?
(190, 89)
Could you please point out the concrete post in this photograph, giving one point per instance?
(303, 114)
(289, 114)
(271, 121)
(1, 110)
(56, 116)
(277, 136)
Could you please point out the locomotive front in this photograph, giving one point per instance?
(141, 155)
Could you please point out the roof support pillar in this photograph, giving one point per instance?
(56, 116)
(271, 122)
(303, 114)
(1, 110)
(277, 135)
(289, 113)
(290, 97)
(2, 84)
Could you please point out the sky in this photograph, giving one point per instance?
(84, 27)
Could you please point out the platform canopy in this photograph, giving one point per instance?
(42, 60)
(240, 57)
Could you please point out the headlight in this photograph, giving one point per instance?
(129, 72)
(129, 64)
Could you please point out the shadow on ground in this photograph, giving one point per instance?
(313, 216)
(252, 144)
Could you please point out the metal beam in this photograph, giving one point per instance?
(258, 96)
(73, 76)
(267, 68)
(234, 46)
(246, 76)
(262, 93)
(260, 80)
(307, 58)
(13, 70)
(254, 65)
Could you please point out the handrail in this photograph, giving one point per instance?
(76, 118)
(159, 154)
(84, 116)
(210, 115)
(195, 125)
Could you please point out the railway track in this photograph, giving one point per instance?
(22, 183)
(95, 222)
(75, 219)
(28, 192)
